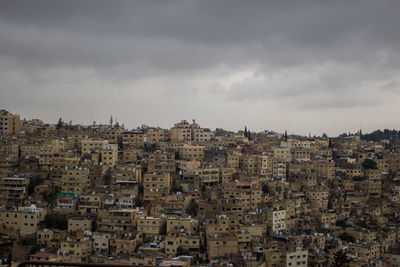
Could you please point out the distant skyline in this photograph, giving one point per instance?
(304, 66)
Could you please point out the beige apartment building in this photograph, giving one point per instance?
(248, 193)
(130, 154)
(156, 185)
(318, 198)
(200, 134)
(361, 251)
(134, 139)
(188, 152)
(50, 238)
(324, 168)
(10, 124)
(248, 164)
(279, 169)
(13, 189)
(80, 248)
(79, 223)
(155, 136)
(222, 224)
(24, 221)
(90, 203)
(184, 131)
(207, 176)
(150, 225)
(226, 174)
(233, 161)
(9, 152)
(276, 221)
(222, 245)
(167, 166)
(75, 180)
(92, 145)
(113, 134)
(180, 132)
(182, 240)
(327, 218)
(289, 257)
(187, 224)
(282, 153)
(117, 220)
(127, 244)
(109, 155)
(30, 150)
(373, 187)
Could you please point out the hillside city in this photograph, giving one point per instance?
(192, 196)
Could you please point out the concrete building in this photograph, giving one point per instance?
(9, 123)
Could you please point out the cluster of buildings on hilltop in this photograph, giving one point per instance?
(190, 196)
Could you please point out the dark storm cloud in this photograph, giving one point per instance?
(205, 58)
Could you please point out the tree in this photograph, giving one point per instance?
(177, 188)
(139, 202)
(342, 223)
(59, 123)
(346, 237)
(34, 181)
(149, 147)
(107, 177)
(378, 135)
(265, 189)
(193, 208)
(58, 221)
(369, 164)
(358, 178)
(50, 199)
(140, 189)
(340, 259)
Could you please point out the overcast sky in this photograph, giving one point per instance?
(305, 66)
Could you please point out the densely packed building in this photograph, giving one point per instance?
(190, 196)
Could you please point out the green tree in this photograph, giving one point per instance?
(50, 199)
(107, 177)
(34, 181)
(341, 259)
(369, 164)
(59, 123)
(193, 208)
(177, 188)
(58, 221)
(28, 240)
(139, 201)
(346, 237)
(265, 189)
(342, 223)
(358, 178)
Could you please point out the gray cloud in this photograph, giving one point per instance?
(226, 63)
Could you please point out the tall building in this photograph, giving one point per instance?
(184, 131)
(10, 124)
